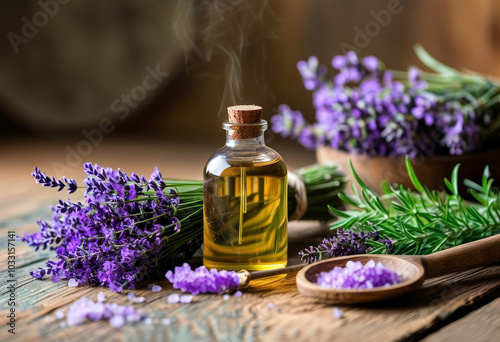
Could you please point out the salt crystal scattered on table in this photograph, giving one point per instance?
(101, 297)
(117, 321)
(185, 299)
(134, 316)
(86, 309)
(337, 313)
(148, 321)
(156, 288)
(59, 314)
(173, 298)
(238, 294)
(131, 297)
(355, 275)
(165, 321)
(72, 283)
(137, 300)
(271, 305)
(226, 297)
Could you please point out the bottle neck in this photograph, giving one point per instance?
(245, 135)
(257, 141)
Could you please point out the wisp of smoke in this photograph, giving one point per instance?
(229, 29)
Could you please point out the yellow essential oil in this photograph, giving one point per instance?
(245, 203)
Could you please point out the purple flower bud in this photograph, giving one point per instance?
(371, 63)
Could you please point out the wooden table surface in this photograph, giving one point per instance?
(458, 307)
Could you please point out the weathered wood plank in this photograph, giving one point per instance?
(266, 312)
(269, 311)
(480, 325)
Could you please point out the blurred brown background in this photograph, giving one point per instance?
(146, 82)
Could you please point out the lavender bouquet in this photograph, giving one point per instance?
(129, 228)
(366, 109)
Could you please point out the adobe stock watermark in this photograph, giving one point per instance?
(363, 35)
(123, 106)
(30, 26)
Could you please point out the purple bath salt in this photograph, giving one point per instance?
(101, 297)
(174, 298)
(117, 321)
(186, 299)
(85, 309)
(202, 280)
(355, 275)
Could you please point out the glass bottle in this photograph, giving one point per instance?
(245, 198)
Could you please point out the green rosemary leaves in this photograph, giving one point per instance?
(424, 221)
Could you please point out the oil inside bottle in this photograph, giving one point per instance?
(245, 214)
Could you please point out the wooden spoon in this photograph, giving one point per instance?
(412, 269)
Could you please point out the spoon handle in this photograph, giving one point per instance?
(470, 255)
(245, 276)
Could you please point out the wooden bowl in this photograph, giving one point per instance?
(412, 275)
(430, 170)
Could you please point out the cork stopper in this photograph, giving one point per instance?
(245, 114)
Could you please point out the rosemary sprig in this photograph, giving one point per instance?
(425, 221)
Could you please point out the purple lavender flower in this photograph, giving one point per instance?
(346, 242)
(371, 63)
(119, 235)
(363, 109)
(42, 178)
(414, 78)
(355, 275)
(312, 73)
(202, 280)
(312, 137)
(288, 123)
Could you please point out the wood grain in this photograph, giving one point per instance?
(268, 311)
(481, 325)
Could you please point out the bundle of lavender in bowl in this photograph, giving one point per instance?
(366, 109)
(129, 228)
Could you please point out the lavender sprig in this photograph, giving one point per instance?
(42, 178)
(128, 229)
(346, 242)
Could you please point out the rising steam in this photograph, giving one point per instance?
(231, 30)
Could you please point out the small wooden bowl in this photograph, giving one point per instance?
(411, 273)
